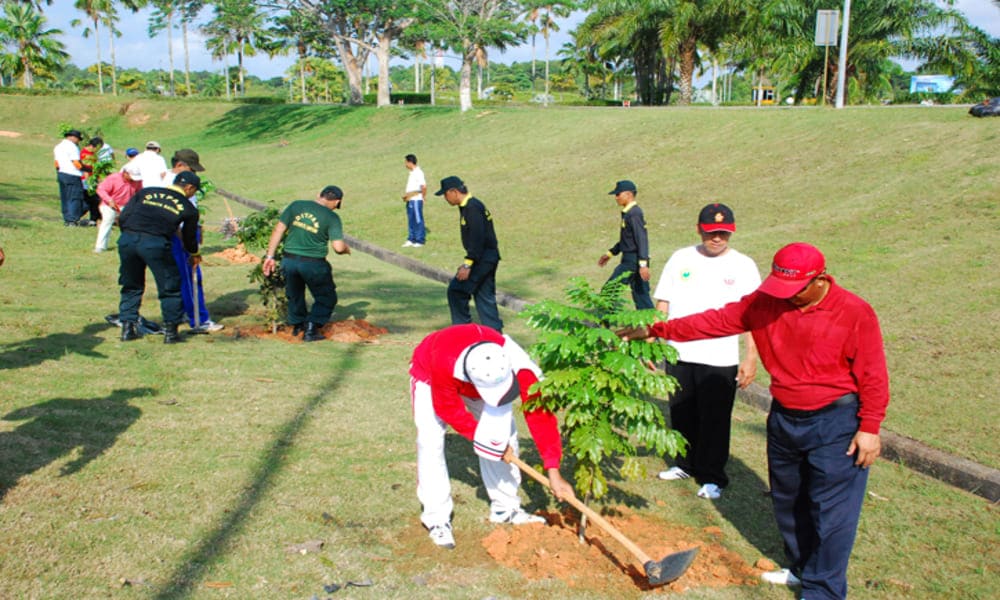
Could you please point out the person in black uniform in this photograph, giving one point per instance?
(633, 245)
(148, 222)
(476, 276)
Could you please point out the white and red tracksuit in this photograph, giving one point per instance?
(441, 396)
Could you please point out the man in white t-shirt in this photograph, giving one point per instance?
(695, 279)
(68, 173)
(153, 165)
(416, 189)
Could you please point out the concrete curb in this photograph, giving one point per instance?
(953, 470)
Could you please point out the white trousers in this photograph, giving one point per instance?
(502, 480)
(108, 216)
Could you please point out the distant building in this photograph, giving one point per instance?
(934, 84)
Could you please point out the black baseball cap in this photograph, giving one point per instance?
(449, 183)
(187, 178)
(623, 186)
(75, 133)
(332, 190)
(716, 217)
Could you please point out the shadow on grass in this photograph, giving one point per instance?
(273, 122)
(57, 427)
(746, 504)
(26, 353)
(205, 553)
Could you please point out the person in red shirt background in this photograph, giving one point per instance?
(822, 346)
(468, 376)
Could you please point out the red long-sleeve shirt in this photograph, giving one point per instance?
(814, 356)
(434, 364)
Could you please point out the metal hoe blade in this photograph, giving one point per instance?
(670, 567)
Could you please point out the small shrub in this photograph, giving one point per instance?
(255, 234)
(602, 386)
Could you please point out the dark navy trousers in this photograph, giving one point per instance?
(640, 288)
(817, 492)
(136, 252)
(316, 275)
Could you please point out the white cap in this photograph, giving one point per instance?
(487, 367)
(151, 145)
(134, 171)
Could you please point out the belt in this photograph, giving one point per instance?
(844, 400)
(305, 258)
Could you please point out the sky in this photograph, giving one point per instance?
(135, 49)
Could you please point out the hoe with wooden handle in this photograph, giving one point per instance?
(658, 572)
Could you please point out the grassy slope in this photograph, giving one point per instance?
(199, 463)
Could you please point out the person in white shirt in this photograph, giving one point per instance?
(695, 279)
(153, 165)
(68, 172)
(416, 189)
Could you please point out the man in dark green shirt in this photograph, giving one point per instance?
(312, 227)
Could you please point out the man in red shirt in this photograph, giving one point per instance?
(823, 347)
(468, 376)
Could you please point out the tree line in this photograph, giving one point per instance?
(651, 49)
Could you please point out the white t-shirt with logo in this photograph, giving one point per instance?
(414, 183)
(65, 153)
(692, 282)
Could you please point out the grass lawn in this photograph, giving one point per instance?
(187, 470)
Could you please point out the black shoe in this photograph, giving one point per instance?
(170, 335)
(130, 331)
(312, 333)
(297, 329)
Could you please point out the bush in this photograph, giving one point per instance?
(255, 234)
(602, 386)
(406, 97)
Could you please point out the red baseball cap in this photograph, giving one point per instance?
(793, 267)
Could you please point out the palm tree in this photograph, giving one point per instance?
(295, 29)
(246, 25)
(189, 12)
(163, 19)
(95, 11)
(37, 51)
(221, 44)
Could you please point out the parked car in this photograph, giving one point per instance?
(987, 108)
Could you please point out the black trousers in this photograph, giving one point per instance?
(702, 411)
(316, 275)
(482, 283)
(136, 252)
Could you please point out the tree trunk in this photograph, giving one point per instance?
(382, 54)
(170, 51)
(479, 81)
(225, 65)
(187, 58)
(100, 67)
(465, 80)
(114, 62)
(27, 79)
(687, 51)
(239, 61)
(545, 34)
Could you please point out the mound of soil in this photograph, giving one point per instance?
(350, 330)
(238, 255)
(604, 565)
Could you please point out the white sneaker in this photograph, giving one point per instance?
(442, 536)
(211, 326)
(781, 577)
(407, 244)
(516, 517)
(417, 245)
(710, 491)
(673, 474)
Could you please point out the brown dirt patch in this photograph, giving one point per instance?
(603, 565)
(350, 330)
(238, 255)
(10, 134)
